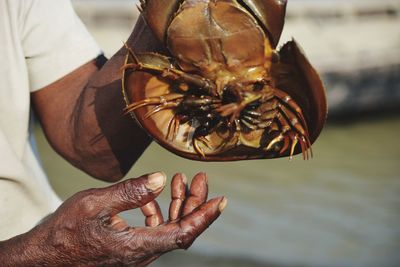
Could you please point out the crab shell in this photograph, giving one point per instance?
(270, 14)
(292, 73)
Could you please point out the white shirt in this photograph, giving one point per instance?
(40, 42)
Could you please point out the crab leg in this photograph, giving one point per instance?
(197, 148)
(234, 109)
(265, 124)
(304, 148)
(295, 140)
(160, 107)
(249, 125)
(287, 127)
(171, 73)
(289, 115)
(227, 109)
(176, 74)
(294, 122)
(285, 146)
(203, 140)
(285, 98)
(267, 118)
(293, 119)
(253, 114)
(284, 128)
(251, 120)
(173, 127)
(171, 124)
(291, 131)
(154, 101)
(274, 141)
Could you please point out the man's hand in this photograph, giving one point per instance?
(86, 229)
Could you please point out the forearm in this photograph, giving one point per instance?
(105, 141)
(87, 124)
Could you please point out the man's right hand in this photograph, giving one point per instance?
(87, 231)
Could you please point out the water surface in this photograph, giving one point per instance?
(342, 208)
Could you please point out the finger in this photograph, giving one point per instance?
(153, 214)
(179, 234)
(197, 194)
(132, 193)
(199, 220)
(178, 195)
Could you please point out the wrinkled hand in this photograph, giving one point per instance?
(86, 229)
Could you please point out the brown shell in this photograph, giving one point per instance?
(158, 15)
(292, 74)
(224, 34)
(271, 14)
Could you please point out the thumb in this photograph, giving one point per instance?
(132, 193)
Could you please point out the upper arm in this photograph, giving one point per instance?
(54, 41)
(81, 108)
(59, 54)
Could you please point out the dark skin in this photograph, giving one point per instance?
(87, 231)
(82, 117)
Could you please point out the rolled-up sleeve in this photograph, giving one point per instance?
(55, 41)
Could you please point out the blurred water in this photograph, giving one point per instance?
(342, 208)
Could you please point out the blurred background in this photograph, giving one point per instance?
(342, 208)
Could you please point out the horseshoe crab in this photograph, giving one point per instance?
(223, 91)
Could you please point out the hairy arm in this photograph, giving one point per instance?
(82, 115)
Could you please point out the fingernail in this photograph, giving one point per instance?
(184, 178)
(205, 176)
(156, 181)
(222, 204)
